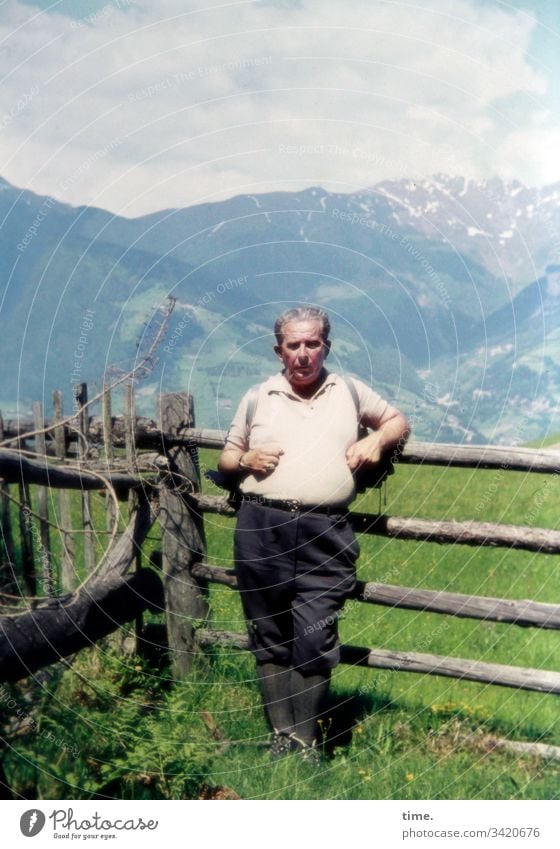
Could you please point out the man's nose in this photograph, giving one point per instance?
(302, 354)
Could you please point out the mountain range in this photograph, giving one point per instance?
(443, 294)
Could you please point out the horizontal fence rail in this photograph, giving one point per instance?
(426, 664)
(523, 612)
(147, 433)
(544, 461)
(543, 540)
(14, 467)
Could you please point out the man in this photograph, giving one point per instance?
(295, 447)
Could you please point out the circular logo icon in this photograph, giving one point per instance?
(32, 822)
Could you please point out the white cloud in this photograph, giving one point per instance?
(146, 106)
(519, 154)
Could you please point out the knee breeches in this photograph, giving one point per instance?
(294, 571)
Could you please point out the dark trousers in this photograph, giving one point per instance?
(294, 571)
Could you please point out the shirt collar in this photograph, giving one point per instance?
(279, 383)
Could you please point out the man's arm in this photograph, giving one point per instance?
(237, 458)
(260, 461)
(391, 431)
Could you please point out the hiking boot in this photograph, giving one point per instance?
(282, 744)
(310, 754)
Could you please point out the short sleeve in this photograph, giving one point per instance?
(237, 433)
(373, 409)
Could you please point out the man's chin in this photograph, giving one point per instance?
(305, 381)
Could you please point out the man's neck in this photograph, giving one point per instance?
(307, 392)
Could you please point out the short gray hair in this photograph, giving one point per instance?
(307, 313)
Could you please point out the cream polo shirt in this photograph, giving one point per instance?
(315, 436)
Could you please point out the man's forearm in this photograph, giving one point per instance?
(394, 433)
(262, 460)
(229, 460)
(390, 435)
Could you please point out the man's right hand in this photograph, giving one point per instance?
(262, 460)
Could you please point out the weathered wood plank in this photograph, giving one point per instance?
(519, 677)
(453, 667)
(131, 461)
(183, 536)
(129, 416)
(519, 747)
(544, 540)
(14, 468)
(149, 434)
(88, 540)
(26, 536)
(504, 457)
(107, 425)
(48, 582)
(8, 577)
(68, 570)
(523, 612)
(111, 512)
(466, 533)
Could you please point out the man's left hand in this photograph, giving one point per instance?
(366, 450)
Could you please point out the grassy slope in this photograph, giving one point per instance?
(393, 735)
(546, 442)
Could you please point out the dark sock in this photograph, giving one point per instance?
(276, 689)
(309, 694)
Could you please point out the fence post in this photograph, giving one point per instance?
(107, 418)
(43, 505)
(183, 535)
(132, 464)
(81, 398)
(8, 578)
(25, 524)
(68, 569)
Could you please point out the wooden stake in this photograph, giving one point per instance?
(68, 578)
(44, 542)
(25, 526)
(183, 537)
(8, 577)
(87, 519)
(130, 449)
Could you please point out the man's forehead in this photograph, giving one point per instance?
(302, 328)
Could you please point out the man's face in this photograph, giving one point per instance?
(302, 352)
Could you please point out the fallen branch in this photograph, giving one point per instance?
(61, 626)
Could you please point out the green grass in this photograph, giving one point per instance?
(545, 442)
(393, 735)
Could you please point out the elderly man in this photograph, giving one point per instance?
(294, 443)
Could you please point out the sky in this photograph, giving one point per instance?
(136, 106)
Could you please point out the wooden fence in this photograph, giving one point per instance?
(150, 469)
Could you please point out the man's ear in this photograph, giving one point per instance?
(278, 351)
(327, 345)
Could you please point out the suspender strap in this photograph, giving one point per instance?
(251, 408)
